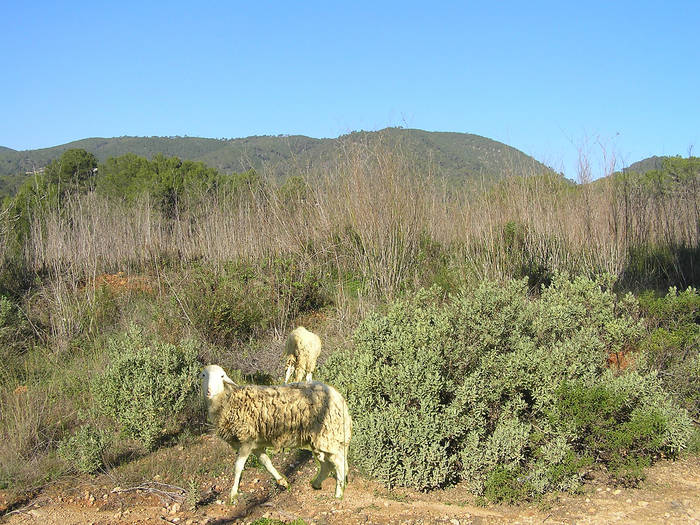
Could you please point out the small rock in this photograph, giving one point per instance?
(588, 500)
(175, 520)
(628, 500)
(175, 508)
(667, 515)
(454, 521)
(617, 491)
(599, 489)
(643, 503)
(116, 489)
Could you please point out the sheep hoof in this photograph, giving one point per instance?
(316, 486)
(283, 483)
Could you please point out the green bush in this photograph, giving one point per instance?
(470, 388)
(83, 451)
(243, 299)
(616, 426)
(672, 345)
(146, 385)
(505, 485)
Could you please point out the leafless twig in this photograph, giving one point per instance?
(163, 490)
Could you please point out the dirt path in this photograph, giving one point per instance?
(671, 494)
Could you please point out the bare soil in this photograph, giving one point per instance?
(670, 494)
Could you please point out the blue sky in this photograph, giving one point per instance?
(549, 78)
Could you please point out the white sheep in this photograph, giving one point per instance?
(301, 351)
(251, 418)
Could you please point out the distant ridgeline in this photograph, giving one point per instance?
(457, 156)
(657, 173)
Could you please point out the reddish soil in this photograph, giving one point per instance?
(671, 494)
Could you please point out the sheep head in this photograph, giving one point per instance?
(214, 381)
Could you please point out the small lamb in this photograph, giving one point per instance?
(301, 351)
(251, 418)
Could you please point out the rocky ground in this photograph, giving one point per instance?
(671, 494)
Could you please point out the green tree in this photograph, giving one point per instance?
(73, 172)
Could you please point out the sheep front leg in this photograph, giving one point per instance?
(267, 463)
(290, 371)
(340, 465)
(243, 453)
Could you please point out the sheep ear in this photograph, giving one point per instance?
(228, 380)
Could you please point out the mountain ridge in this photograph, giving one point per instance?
(455, 155)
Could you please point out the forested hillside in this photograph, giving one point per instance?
(458, 156)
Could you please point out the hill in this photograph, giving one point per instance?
(456, 155)
(648, 164)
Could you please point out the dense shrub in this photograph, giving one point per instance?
(146, 385)
(83, 450)
(619, 422)
(470, 388)
(242, 300)
(672, 345)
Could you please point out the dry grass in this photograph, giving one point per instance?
(31, 424)
(368, 214)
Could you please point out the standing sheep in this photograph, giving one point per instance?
(251, 418)
(301, 351)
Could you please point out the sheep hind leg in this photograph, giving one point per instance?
(243, 453)
(267, 463)
(340, 465)
(324, 469)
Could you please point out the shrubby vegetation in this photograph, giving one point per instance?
(84, 450)
(507, 392)
(242, 300)
(671, 348)
(517, 386)
(146, 386)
